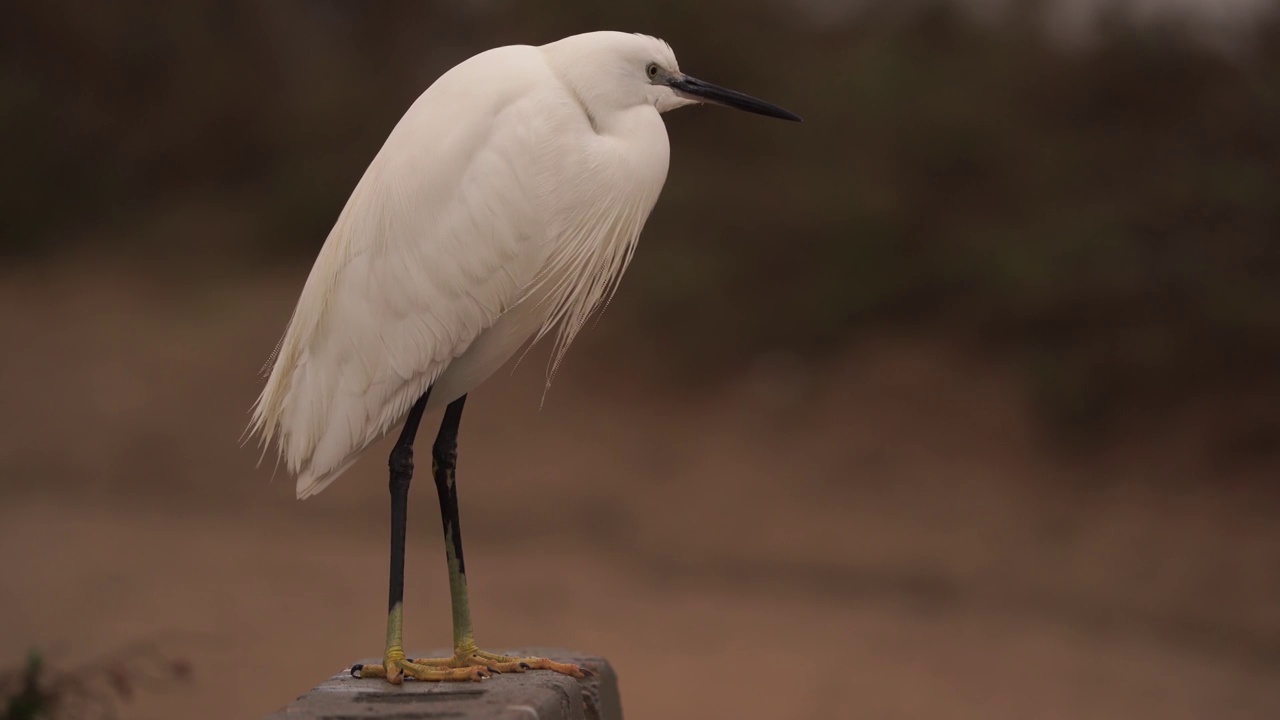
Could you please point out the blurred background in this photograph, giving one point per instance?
(958, 400)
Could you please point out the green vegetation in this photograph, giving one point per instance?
(95, 689)
(26, 700)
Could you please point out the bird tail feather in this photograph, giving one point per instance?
(310, 483)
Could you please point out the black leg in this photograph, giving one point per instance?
(468, 661)
(444, 460)
(394, 665)
(401, 464)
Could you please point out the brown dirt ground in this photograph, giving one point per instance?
(885, 536)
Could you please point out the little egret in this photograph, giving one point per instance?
(504, 206)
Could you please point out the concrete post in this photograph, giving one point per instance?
(533, 695)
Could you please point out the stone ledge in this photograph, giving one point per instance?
(533, 695)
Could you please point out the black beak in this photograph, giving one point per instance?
(706, 92)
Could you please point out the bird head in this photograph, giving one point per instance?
(615, 71)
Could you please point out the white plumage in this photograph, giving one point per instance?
(504, 206)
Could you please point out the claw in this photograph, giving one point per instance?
(355, 670)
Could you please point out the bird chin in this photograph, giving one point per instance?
(676, 99)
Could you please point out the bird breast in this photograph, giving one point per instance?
(595, 194)
(604, 195)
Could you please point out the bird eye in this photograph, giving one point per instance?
(651, 70)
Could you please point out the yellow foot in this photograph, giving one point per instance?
(501, 663)
(395, 668)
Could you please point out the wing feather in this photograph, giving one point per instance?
(435, 243)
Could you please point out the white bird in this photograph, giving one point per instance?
(503, 207)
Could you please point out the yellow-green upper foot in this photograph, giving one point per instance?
(394, 669)
(494, 662)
